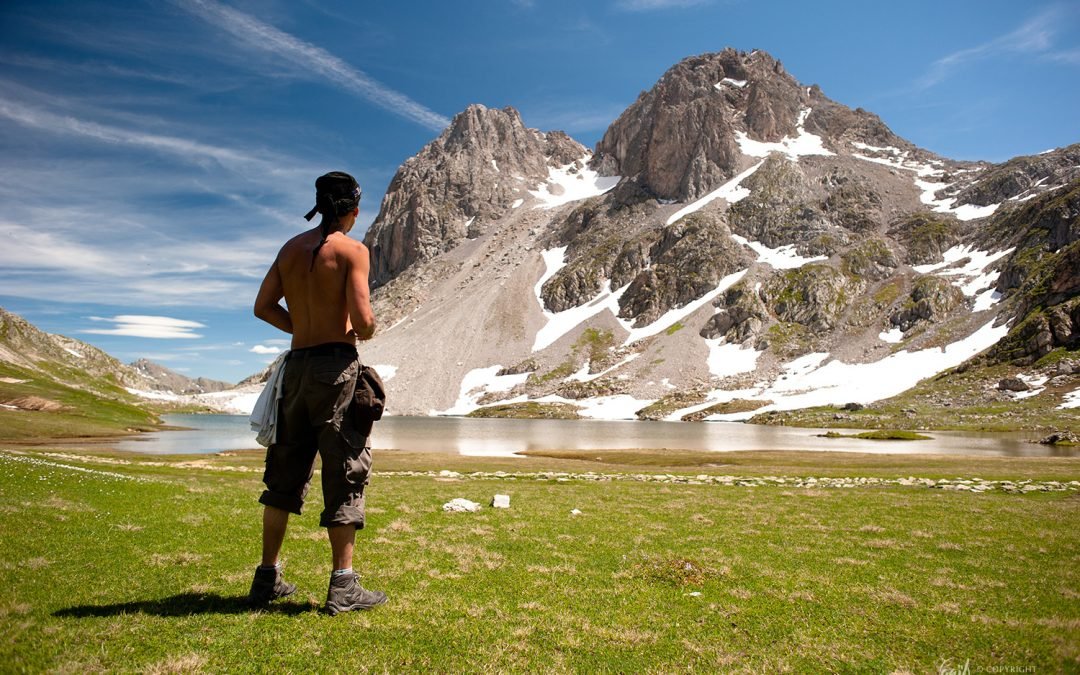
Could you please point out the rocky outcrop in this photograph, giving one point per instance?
(1042, 276)
(869, 259)
(925, 236)
(459, 183)
(1022, 177)
(607, 239)
(853, 204)
(740, 316)
(813, 295)
(1037, 230)
(931, 299)
(781, 210)
(689, 259)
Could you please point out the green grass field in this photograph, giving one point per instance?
(140, 563)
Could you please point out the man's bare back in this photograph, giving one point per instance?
(328, 298)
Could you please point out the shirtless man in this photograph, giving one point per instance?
(323, 276)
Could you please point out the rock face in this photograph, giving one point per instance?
(813, 296)
(680, 137)
(459, 184)
(688, 259)
(931, 299)
(675, 137)
(1042, 274)
(781, 210)
(755, 222)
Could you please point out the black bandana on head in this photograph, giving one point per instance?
(336, 193)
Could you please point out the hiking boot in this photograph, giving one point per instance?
(269, 585)
(346, 594)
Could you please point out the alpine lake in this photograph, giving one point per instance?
(204, 434)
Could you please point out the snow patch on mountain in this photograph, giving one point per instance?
(803, 144)
(559, 324)
(1071, 400)
(783, 258)
(929, 188)
(671, 317)
(569, 183)
(729, 191)
(617, 407)
(730, 80)
(969, 266)
(478, 382)
(727, 359)
(892, 336)
(386, 372)
(814, 380)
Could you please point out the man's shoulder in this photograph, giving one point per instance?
(353, 248)
(295, 242)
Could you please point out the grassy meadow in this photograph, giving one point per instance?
(113, 562)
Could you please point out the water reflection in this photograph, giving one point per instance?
(215, 433)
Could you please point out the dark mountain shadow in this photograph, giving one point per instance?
(187, 604)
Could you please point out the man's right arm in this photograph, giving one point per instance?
(358, 295)
(268, 301)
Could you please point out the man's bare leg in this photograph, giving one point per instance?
(342, 539)
(275, 521)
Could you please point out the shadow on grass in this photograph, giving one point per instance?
(186, 604)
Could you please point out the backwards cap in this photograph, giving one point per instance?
(335, 193)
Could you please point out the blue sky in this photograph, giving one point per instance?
(154, 155)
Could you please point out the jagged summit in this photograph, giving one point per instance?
(458, 184)
(681, 138)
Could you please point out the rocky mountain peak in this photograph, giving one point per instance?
(466, 179)
(683, 137)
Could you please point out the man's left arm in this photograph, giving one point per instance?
(268, 301)
(357, 293)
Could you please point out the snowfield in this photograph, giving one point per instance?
(800, 145)
(564, 185)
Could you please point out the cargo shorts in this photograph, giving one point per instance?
(316, 416)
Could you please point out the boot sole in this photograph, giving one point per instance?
(334, 610)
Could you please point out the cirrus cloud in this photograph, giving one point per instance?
(144, 326)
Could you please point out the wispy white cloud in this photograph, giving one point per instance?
(29, 248)
(1036, 36)
(649, 5)
(146, 326)
(260, 35)
(187, 149)
(1068, 56)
